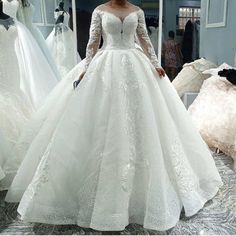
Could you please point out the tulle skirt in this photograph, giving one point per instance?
(62, 48)
(37, 79)
(15, 112)
(119, 149)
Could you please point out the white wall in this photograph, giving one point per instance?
(219, 44)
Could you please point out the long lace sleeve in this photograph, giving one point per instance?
(145, 41)
(94, 37)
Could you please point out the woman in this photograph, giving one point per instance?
(119, 149)
(172, 55)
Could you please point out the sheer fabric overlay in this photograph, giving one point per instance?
(96, 33)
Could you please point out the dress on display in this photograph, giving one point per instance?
(154, 31)
(62, 45)
(122, 139)
(191, 77)
(214, 111)
(6, 153)
(196, 40)
(25, 16)
(15, 108)
(37, 79)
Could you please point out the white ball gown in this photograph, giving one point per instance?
(25, 81)
(25, 15)
(36, 75)
(15, 108)
(214, 111)
(154, 37)
(120, 148)
(62, 45)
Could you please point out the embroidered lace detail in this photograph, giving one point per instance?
(145, 41)
(142, 35)
(94, 37)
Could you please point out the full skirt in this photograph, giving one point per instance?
(119, 149)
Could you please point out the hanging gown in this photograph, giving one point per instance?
(15, 108)
(25, 16)
(122, 139)
(191, 77)
(62, 46)
(214, 111)
(154, 37)
(6, 153)
(37, 79)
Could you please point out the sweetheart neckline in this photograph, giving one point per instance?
(121, 20)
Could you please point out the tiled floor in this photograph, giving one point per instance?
(217, 217)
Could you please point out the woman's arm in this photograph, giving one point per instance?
(95, 34)
(94, 37)
(146, 44)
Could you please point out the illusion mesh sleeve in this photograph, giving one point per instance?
(94, 37)
(145, 41)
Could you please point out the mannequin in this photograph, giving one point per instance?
(61, 42)
(3, 16)
(25, 3)
(5, 19)
(59, 13)
(60, 7)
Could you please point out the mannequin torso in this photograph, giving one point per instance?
(3, 16)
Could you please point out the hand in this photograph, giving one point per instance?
(76, 83)
(160, 72)
(82, 76)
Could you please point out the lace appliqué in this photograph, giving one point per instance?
(145, 41)
(94, 37)
(41, 175)
(186, 181)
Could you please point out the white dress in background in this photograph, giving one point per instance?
(154, 37)
(122, 139)
(214, 112)
(37, 78)
(62, 46)
(6, 153)
(191, 77)
(25, 16)
(15, 108)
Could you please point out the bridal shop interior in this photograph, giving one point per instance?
(43, 52)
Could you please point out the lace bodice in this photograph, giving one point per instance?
(119, 33)
(10, 7)
(9, 69)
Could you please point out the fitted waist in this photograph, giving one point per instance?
(110, 47)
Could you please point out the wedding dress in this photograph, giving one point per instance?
(62, 46)
(154, 37)
(25, 16)
(191, 77)
(37, 79)
(214, 112)
(122, 139)
(6, 153)
(15, 108)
